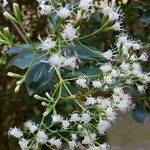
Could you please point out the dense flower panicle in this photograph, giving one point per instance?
(47, 44)
(41, 137)
(85, 4)
(15, 132)
(63, 12)
(69, 33)
(23, 143)
(98, 95)
(30, 125)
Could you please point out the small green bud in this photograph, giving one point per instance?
(17, 12)
(11, 74)
(10, 17)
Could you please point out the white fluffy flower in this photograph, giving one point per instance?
(31, 126)
(106, 67)
(72, 144)
(56, 60)
(15, 132)
(110, 114)
(124, 105)
(110, 10)
(117, 26)
(63, 12)
(90, 101)
(97, 84)
(81, 82)
(108, 79)
(144, 57)
(23, 143)
(57, 118)
(71, 61)
(88, 139)
(86, 118)
(55, 142)
(127, 43)
(115, 73)
(141, 88)
(65, 124)
(85, 4)
(75, 117)
(108, 54)
(103, 102)
(41, 137)
(44, 8)
(47, 44)
(124, 66)
(69, 32)
(103, 146)
(103, 125)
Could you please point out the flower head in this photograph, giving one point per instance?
(41, 137)
(15, 132)
(63, 12)
(23, 143)
(69, 32)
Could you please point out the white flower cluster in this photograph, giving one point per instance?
(81, 82)
(45, 7)
(58, 61)
(69, 32)
(86, 4)
(126, 43)
(47, 44)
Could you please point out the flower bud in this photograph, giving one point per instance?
(17, 88)
(11, 74)
(17, 12)
(10, 17)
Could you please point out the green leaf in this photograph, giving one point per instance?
(21, 61)
(20, 48)
(83, 52)
(38, 78)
